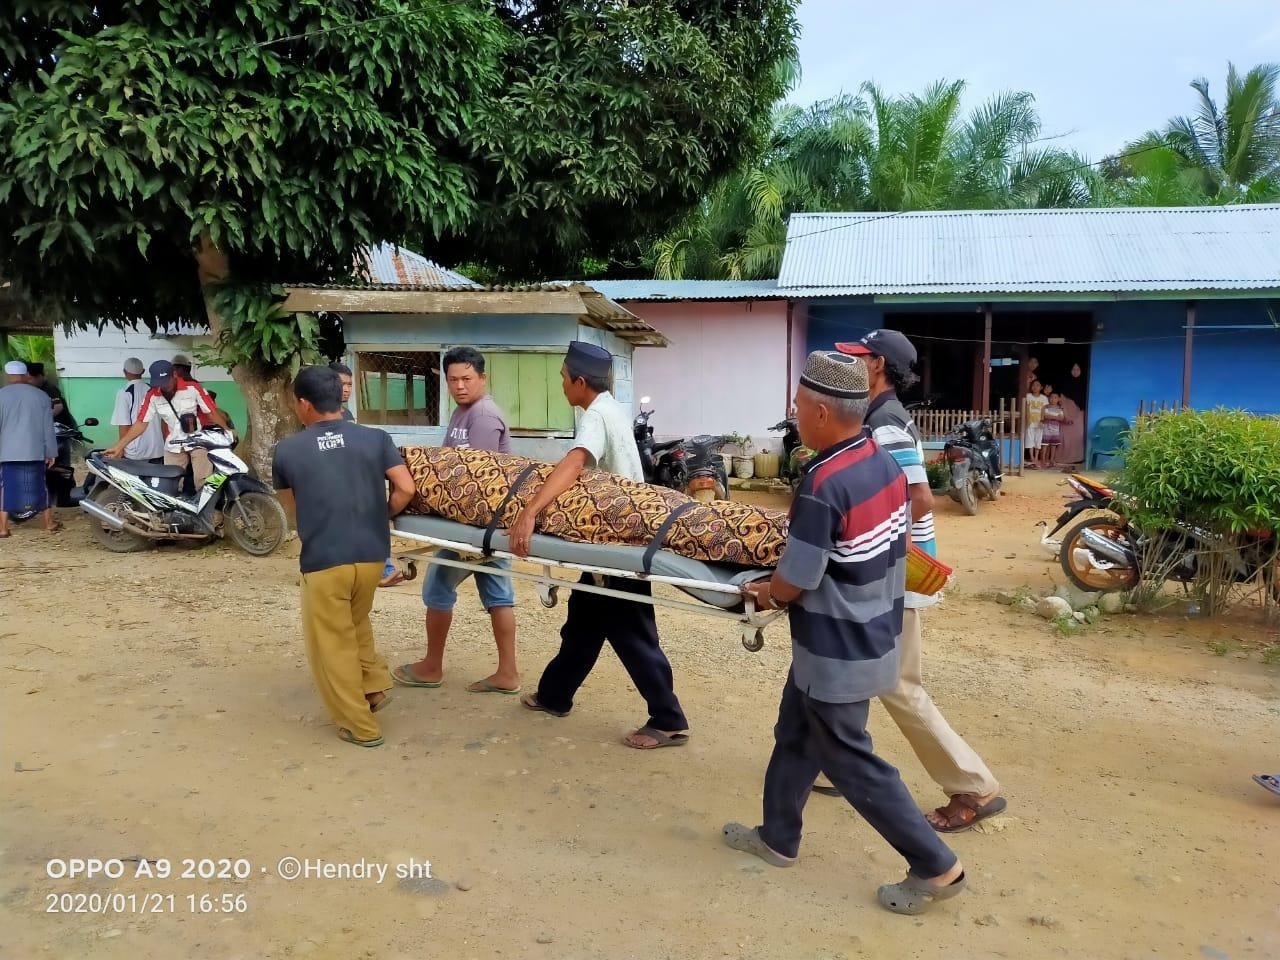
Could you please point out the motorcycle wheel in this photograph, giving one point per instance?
(256, 523)
(1082, 573)
(968, 499)
(117, 541)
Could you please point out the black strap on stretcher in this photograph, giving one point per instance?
(487, 545)
(660, 537)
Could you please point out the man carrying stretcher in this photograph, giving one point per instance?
(603, 441)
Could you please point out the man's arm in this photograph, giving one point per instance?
(402, 489)
(921, 500)
(285, 496)
(564, 476)
(50, 442)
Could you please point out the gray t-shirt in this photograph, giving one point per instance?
(605, 433)
(479, 426)
(26, 424)
(337, 471)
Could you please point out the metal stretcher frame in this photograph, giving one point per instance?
(752, 622)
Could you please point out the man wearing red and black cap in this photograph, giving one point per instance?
(973, 793)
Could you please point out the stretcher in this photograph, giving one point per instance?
(717, 588)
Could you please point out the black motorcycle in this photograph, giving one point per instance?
(60, 479)
(663, 463)
(795, 455)
(1106, 551)
(704, 467)
(974, 455)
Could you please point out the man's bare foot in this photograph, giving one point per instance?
(377, 700)
(504, 681)
(651, 738)
(419, 671)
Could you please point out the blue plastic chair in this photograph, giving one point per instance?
(1109, 439)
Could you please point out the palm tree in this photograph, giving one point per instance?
(1218, 154)
(872, 152)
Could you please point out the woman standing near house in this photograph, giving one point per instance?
(1071, 450)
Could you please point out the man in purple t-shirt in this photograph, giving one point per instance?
(477, 423)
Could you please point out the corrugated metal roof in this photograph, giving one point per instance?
(1117, 249)
(689, 289)
(388, 263)
(468, 286)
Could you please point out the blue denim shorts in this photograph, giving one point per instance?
(440, 588)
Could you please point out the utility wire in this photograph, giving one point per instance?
(898, 213)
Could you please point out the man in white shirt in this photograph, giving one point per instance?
(177, 404)
(603, 441)
(128, 411)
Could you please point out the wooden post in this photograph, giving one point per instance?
(1186, 353)
(926, 371)
(984, 397)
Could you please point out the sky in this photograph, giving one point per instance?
(1102, 73)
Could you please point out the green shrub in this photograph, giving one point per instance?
(1218, 469)
(939, 473)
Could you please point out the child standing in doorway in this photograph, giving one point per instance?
(1051, 431)
(1034, 403)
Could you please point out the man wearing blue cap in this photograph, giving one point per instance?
(603, 441)
(178, 404)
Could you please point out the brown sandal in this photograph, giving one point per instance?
(964, 811)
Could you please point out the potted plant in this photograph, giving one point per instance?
(743, 464)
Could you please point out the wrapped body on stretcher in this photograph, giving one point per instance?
(607, 526)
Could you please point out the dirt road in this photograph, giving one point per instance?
(159, 706)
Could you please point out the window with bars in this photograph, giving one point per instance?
(398, 388)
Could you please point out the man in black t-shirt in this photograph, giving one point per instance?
(336, 473)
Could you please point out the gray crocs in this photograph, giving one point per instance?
(914, 895)
(747, 839)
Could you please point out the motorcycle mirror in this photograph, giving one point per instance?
(90, 422)
(645, 400)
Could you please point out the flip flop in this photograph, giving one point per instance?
(404, 676)
(963, 812)
(747, 839)
(381, 704)
(393, 579)
(56, 528)
(663, 739)
(826, 791)
(349, 737)
(1268, 782)
(484, 686)
(914, 895)
(530, 702)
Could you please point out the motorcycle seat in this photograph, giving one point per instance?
(666, 445)
(140, 468)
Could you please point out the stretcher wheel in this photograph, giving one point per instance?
(549, 595)
(753, 639)
(410, 571)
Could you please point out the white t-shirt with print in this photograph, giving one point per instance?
(605, 433)
(1035, 408)
(188, 398)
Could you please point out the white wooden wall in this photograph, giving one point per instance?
(92, 354)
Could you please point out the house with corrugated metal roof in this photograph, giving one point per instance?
(399, 316)
(1111, 306)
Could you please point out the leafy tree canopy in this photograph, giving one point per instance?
(287, 134)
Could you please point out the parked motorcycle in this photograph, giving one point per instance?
(1108, 552)
(795, 455)
(60, 478)
(974, 456)
(707, 478)
(663, 463)
(137, 503)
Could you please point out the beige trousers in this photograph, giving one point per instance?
(335, 622)
(201, 468)
(948, 759)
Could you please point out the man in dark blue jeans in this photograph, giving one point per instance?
(842, 577)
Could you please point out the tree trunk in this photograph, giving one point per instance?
(270, 416)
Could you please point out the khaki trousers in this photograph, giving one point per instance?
(201, 468)
(948, 759)
(335, 622)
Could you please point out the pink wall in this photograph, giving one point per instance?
(725, 371)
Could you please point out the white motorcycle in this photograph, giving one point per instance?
(137, 504)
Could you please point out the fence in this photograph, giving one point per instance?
(1006, 426)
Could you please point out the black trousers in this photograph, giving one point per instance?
(632, 631)
(813, 736)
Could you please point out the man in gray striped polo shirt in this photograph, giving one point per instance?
(842, 577)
